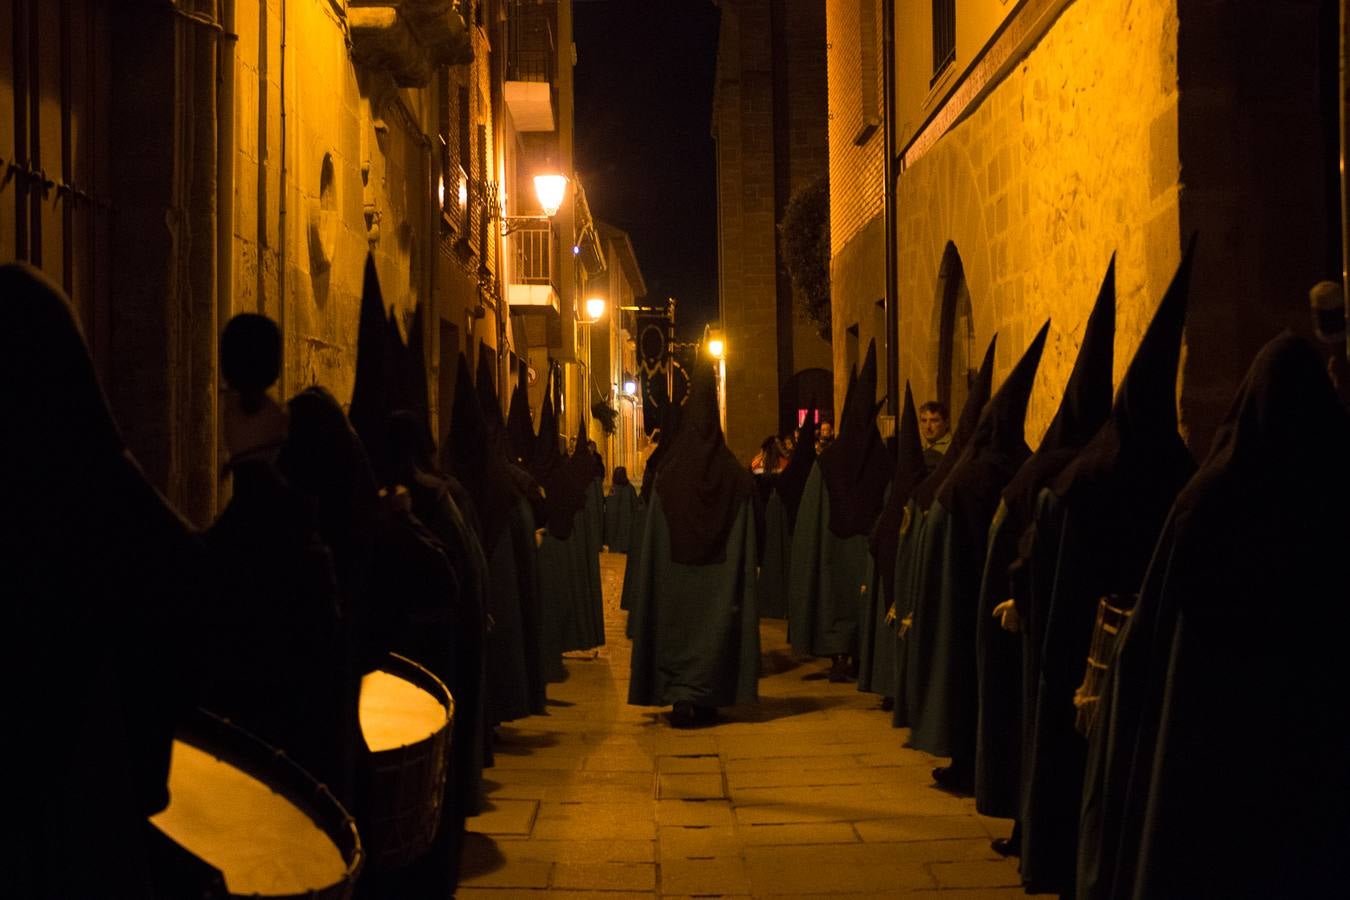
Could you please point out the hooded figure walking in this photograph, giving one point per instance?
(694, 621)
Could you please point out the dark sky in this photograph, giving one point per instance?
(644, 86)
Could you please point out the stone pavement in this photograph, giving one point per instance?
(809, 793)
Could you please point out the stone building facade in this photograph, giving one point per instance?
(1061, 132)
(174, 164)
(769, 123)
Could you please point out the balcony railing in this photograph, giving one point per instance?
(531, 48)
(534, 270)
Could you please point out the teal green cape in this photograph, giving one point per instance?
(620, 507)
(829, 579)
(695, 628)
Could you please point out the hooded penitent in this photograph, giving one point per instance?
(101, 582)
(856, 467)
(702, 485)
(877, 639)
(1243, 614)
(620, 508)
(468, 455)
(1107, 508)
(519, 425)
(792, 480)
(376, 377)
(956, 533)
(909, 471)
(693, 620)
(1085, 405)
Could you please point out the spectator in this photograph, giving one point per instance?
(934, 423)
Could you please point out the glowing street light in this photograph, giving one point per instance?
(595, 308)
(716, 344)
(550, 190)
(630, 388)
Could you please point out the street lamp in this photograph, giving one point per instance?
(550, 191)
(595, 308)
(715, 343)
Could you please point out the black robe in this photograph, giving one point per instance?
(104, 586)
(1242, 614)
(1108, 509)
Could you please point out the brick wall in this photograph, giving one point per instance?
(857, 177)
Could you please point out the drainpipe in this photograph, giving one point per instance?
(892, 172)
(225, 151)
(282, 386)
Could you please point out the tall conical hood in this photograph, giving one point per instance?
(857, 467)
(1125, 479)
(519, 427)
(792, 480)
(486, 382)
(1147, 400)
(546, 454)
(998, 448)
(400, 394)
(468, 456)
(1085, 406)
(370, 407)
(909, 471)
(965, 429)
(701, 486)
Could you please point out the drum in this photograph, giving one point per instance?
(246, 811)
(406, 717)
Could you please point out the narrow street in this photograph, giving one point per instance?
(809, 793)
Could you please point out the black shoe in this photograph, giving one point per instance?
(705, 715)
(839, 669)
(957, 781)
(887, 704)
(683, 715)
(1006, 847)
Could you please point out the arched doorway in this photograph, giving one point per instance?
(956, 333)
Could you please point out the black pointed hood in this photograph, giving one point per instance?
(702, 486)
(370, 407)
(519, 426)
(486, 382)
(909, 471)
(791, 482)
(401, 394)
(1085, 406)
(965, 429)
(996, 451)
(857, 467)
(468, 456)
(546, 455)
(1125, 479)
(52, 402)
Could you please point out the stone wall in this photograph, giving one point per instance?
(1071, 157)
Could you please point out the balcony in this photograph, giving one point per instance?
(531, 60)
(534, 270)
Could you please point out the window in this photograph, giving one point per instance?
(944, 36)
(869, 54)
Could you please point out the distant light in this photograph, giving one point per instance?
(716, 348)
(550, 190)
(576, 249)
(440, 190)
(630, 388)
(463, 192)
(595, 308)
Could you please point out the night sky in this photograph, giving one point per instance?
(644, 86)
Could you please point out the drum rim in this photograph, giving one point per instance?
(217, 736)
(417, 674)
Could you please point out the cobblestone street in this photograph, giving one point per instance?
(809, 793)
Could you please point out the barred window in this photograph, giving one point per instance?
(944, 36)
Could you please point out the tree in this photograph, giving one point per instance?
(804, 234)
